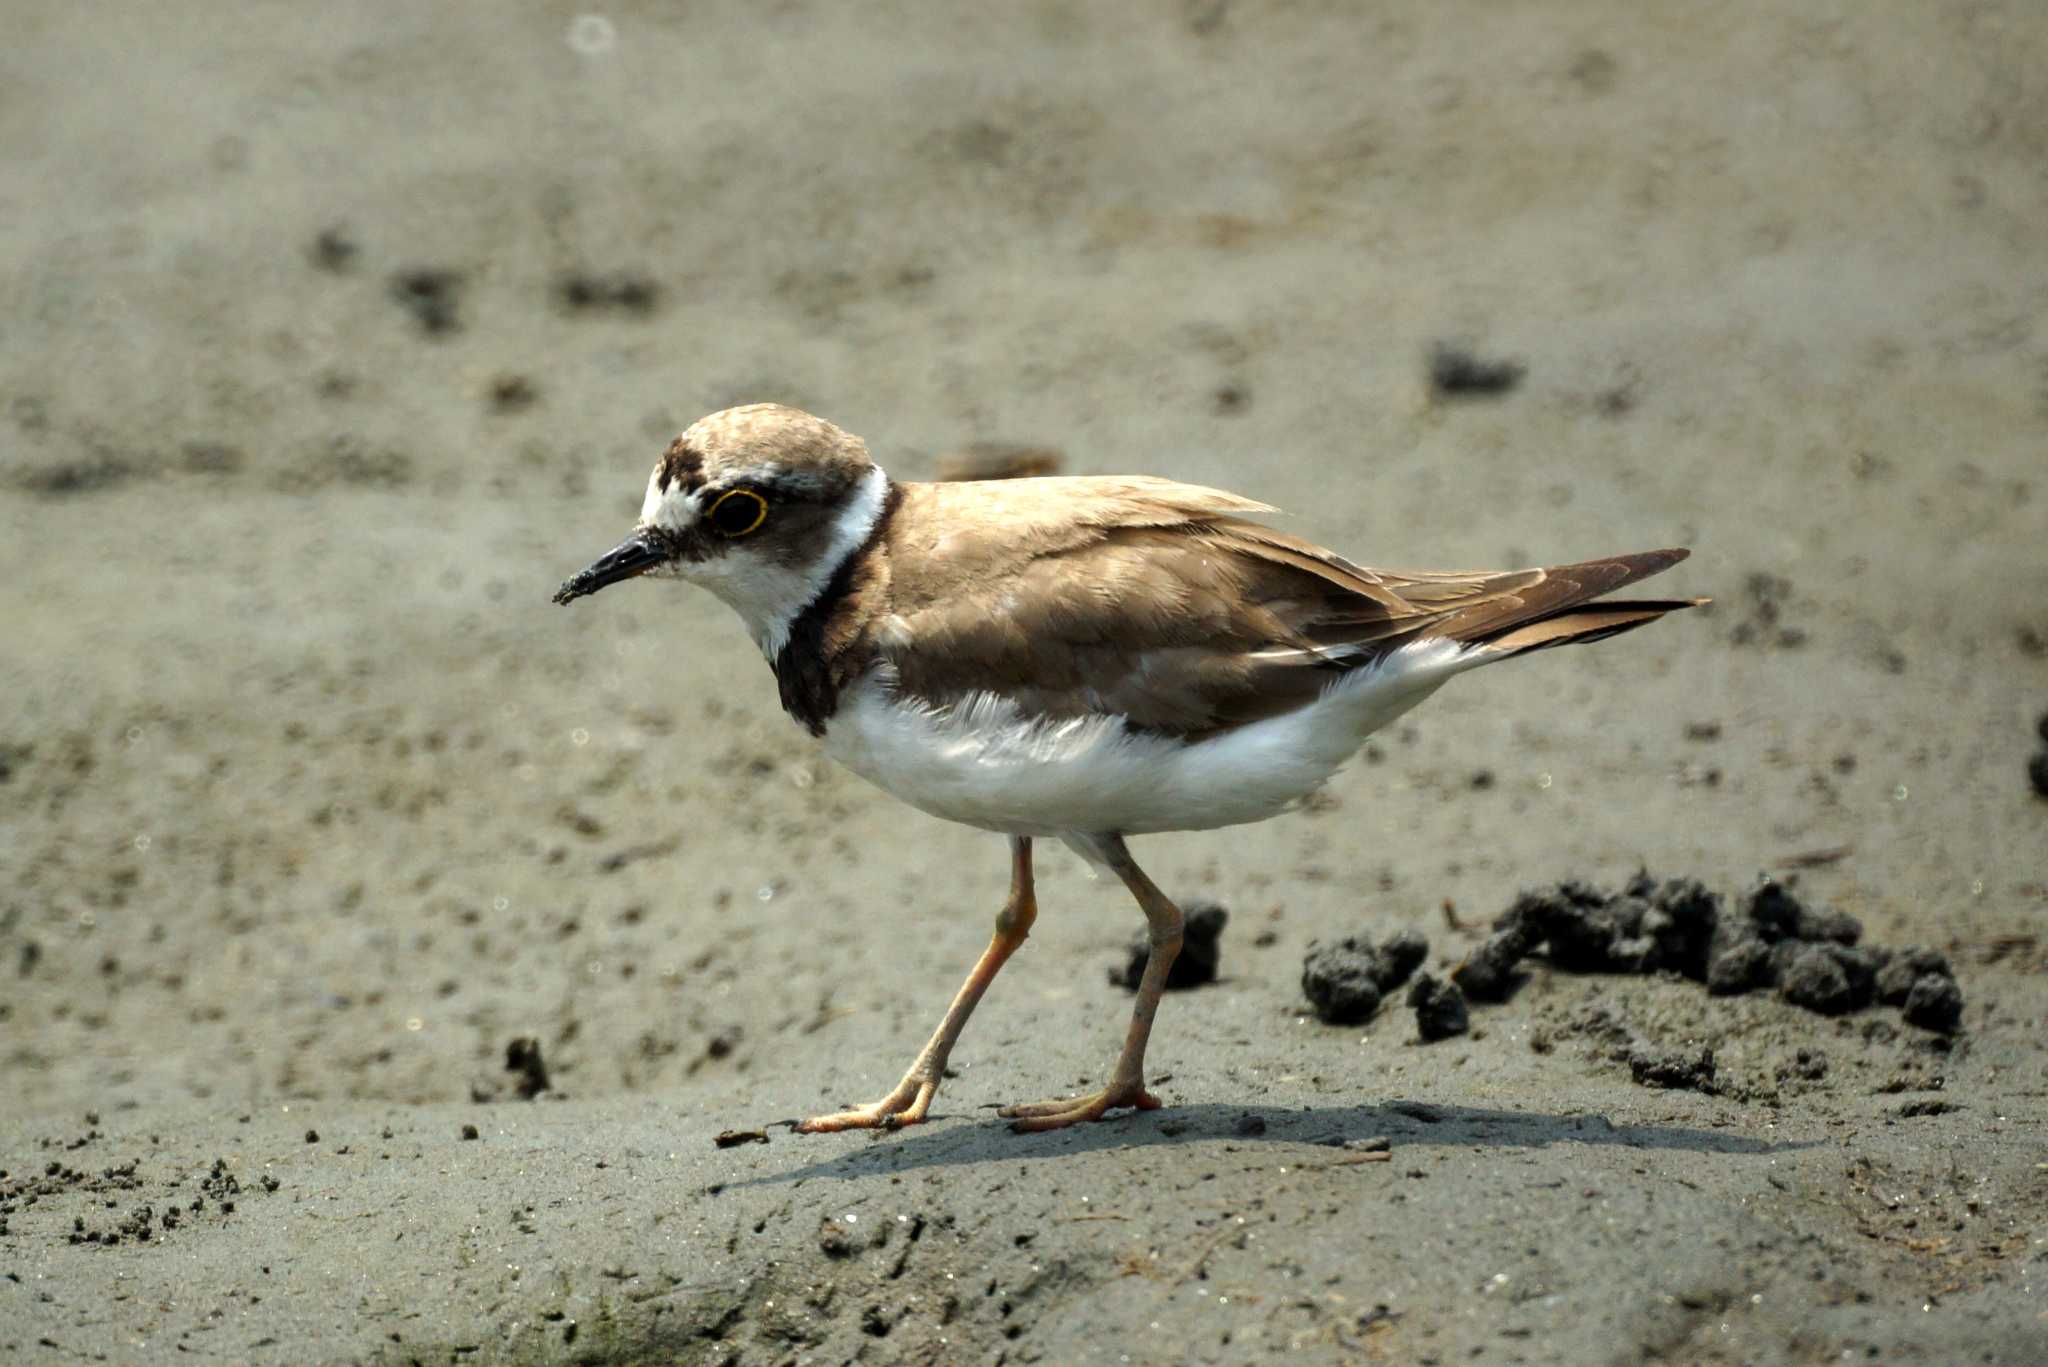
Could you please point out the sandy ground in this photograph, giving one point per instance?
(333, 337)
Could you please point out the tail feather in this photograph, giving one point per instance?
(1567, 605)
(1577, 625)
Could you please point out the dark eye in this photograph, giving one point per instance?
(738, 512)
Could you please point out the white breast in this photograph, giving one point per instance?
(983, 764)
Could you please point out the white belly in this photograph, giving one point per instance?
(982, 764)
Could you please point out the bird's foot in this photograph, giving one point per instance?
(1061, 1112)
(904, 1106)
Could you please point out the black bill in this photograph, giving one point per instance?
(635, 555)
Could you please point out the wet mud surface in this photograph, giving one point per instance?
(383, 952)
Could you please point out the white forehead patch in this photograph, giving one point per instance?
(673, 510)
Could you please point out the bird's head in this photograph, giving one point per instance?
(760, 504)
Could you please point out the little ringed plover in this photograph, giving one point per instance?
(1081, 658)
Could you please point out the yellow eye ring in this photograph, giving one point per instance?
(736, 520)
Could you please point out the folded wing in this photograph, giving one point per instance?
(1160, 602)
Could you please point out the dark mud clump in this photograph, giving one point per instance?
(1439, 1008)
(1765, 596)
(618, 292)
(1827, 979)
(512, 394)
(1675, 1069)
(1777, 913)
(1201, 952)
(526, 1073)
(432, 296)
(1456, 371)
(1808, 953)
(2037, 767)
(1346, 981)
(1491, 972)
(1689, 1068)
(92, 475)
(1650, 927)
(530, 1071)
(1340, 982)
(1400, 956)
(1934, 1003)
(1906, 967)
(334, 250)
(1743, 967)
(1774, 939)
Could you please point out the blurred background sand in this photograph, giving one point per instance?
(332, 338)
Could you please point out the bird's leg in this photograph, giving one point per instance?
(1127, 1083)
(913, 1095)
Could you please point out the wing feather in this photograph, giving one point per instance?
(1159, 602)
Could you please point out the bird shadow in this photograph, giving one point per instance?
(957, 1141)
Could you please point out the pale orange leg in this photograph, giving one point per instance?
(1127, 1082)
(913, 1095)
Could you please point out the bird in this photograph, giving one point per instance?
(1080, 658)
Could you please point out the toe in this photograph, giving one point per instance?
(1036, 1116)
(859, 1118)
(1025, 1110)
(892, 1112)
(1058, 1120)
(838, 1120)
